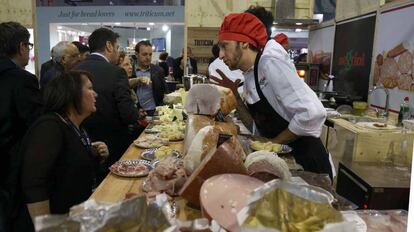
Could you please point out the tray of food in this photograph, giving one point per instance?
(172, 135)
(159, 153)
(150, 142)
(269, 146)
(131, 168)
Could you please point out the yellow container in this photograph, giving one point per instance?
(359, 107)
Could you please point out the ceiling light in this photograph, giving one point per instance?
(299, 24)
(148, 28)
(151, 24)
(84, 24)
(59, 27)
(117, 24)
(165, 27)
(298, 30)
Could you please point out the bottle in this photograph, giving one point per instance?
(404, 111)
(400, 159)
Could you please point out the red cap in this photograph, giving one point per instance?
(281, 38)
(243, 27)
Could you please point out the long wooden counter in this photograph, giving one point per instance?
(113, 188)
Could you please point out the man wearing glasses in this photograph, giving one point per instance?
(20, 106)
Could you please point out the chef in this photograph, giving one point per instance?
(276, 101)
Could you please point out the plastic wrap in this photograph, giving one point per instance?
(288, 206)
(134, 214)
(377, 220)
(323, 181)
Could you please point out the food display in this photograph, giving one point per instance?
(224, 160)
(131, 168)
(172, 135)
(170, 126)
(265, 146)
(150, 142)
(223, 196)
(266, 166)
(209, 99)
(196, 122)
(286, 206)
(168, 176)
(159, 153)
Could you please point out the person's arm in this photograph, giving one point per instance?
(126, 107)
(297, 101)
(133, 82)
(177, 71)
(242, 110)
(28, 99)
(40, 150)
(244, 114)
(285, 137)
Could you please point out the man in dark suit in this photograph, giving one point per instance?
(151, 87)
(114, 106)
(48, 64)
(66, 56)
(20, 106)
(178, 65)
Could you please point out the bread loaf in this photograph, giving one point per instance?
(208, 99)
(196, 122)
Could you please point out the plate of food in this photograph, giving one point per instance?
(131, 168)
(172, 135)
(159, 153)
(269, 146)
(377, 125)
(150, 142)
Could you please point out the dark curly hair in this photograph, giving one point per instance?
(65, 91)
(263, 15)
(97, 40)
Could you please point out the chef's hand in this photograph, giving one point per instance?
(100, 149)
(226, 82)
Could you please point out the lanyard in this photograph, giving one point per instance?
(83, 136)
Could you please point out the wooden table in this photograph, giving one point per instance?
(113, 188)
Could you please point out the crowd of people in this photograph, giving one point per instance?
(59, 135)
(60, 132)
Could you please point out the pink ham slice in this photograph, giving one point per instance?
(223, 196)
(224, 160)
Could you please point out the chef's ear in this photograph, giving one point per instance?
(245, 45)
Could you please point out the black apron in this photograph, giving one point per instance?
(308, 151)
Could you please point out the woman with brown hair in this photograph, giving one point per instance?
(59, 159)
(124, 62)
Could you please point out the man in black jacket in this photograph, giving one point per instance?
(20, 106)
(114, 106)
(178, 65)
(151, 88)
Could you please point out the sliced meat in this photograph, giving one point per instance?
(224, 160)
(260, 162)
(223, 196)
